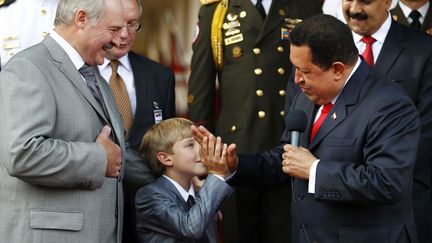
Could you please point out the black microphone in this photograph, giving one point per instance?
(296, 123)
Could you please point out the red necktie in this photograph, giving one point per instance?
(324, 112)
(368, 54)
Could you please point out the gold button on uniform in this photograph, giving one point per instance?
(233, 128)
(43, 12)
(281, 71)
(280, 49)
(281, 12)
(259, 92)
(258, 71)
(282, 92)
(190, 98)
(282, 113)
(261, 114)
(44, 34)
(256, 51)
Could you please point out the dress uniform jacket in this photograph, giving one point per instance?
(252, 81)
(399, 17)
(254, 75)
(23, 24)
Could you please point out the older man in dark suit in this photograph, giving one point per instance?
(352, 175)
(144, 94)
(405, 56)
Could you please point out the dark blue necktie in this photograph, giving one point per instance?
(190, 201)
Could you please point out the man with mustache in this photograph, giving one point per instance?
(405, 56)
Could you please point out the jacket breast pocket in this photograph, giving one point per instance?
(338, 148)
(59, 220)
(376, 234)
(339, 142)
(410, 86)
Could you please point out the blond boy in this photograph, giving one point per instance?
(169, 209)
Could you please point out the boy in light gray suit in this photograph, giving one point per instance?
(169, 209)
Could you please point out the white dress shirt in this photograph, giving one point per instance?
(379, 36)
(185, 194)
(266, 4)
(73, 54)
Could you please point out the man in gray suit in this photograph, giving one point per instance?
(61, 137)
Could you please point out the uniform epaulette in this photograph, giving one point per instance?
(4, 3)
(206, 2)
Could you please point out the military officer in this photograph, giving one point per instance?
(28, 22)
(414, 13)
(249, 54)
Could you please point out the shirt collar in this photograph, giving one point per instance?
(346, 81)
(379, 35)
(75, 57)
(185, 194)
(422, 10)
(124, 61)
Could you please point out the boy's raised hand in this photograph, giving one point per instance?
(212, 147)
(213, 155)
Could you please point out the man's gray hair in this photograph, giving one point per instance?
(67, 9)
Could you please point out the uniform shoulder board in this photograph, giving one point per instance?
(203, 2)
(4, 3)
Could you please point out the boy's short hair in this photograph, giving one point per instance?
(161, 138)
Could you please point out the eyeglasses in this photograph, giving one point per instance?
(133, 27)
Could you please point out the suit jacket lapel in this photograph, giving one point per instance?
(348, 97)
(114, 115)
(167, 185)
(427, 20)
(310, 109)
(139, 74)
(68, 69)
(391, 49)
(397, 11)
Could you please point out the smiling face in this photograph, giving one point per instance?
(124, 41)
(318, 84)
(365, 17)
(95, 37)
